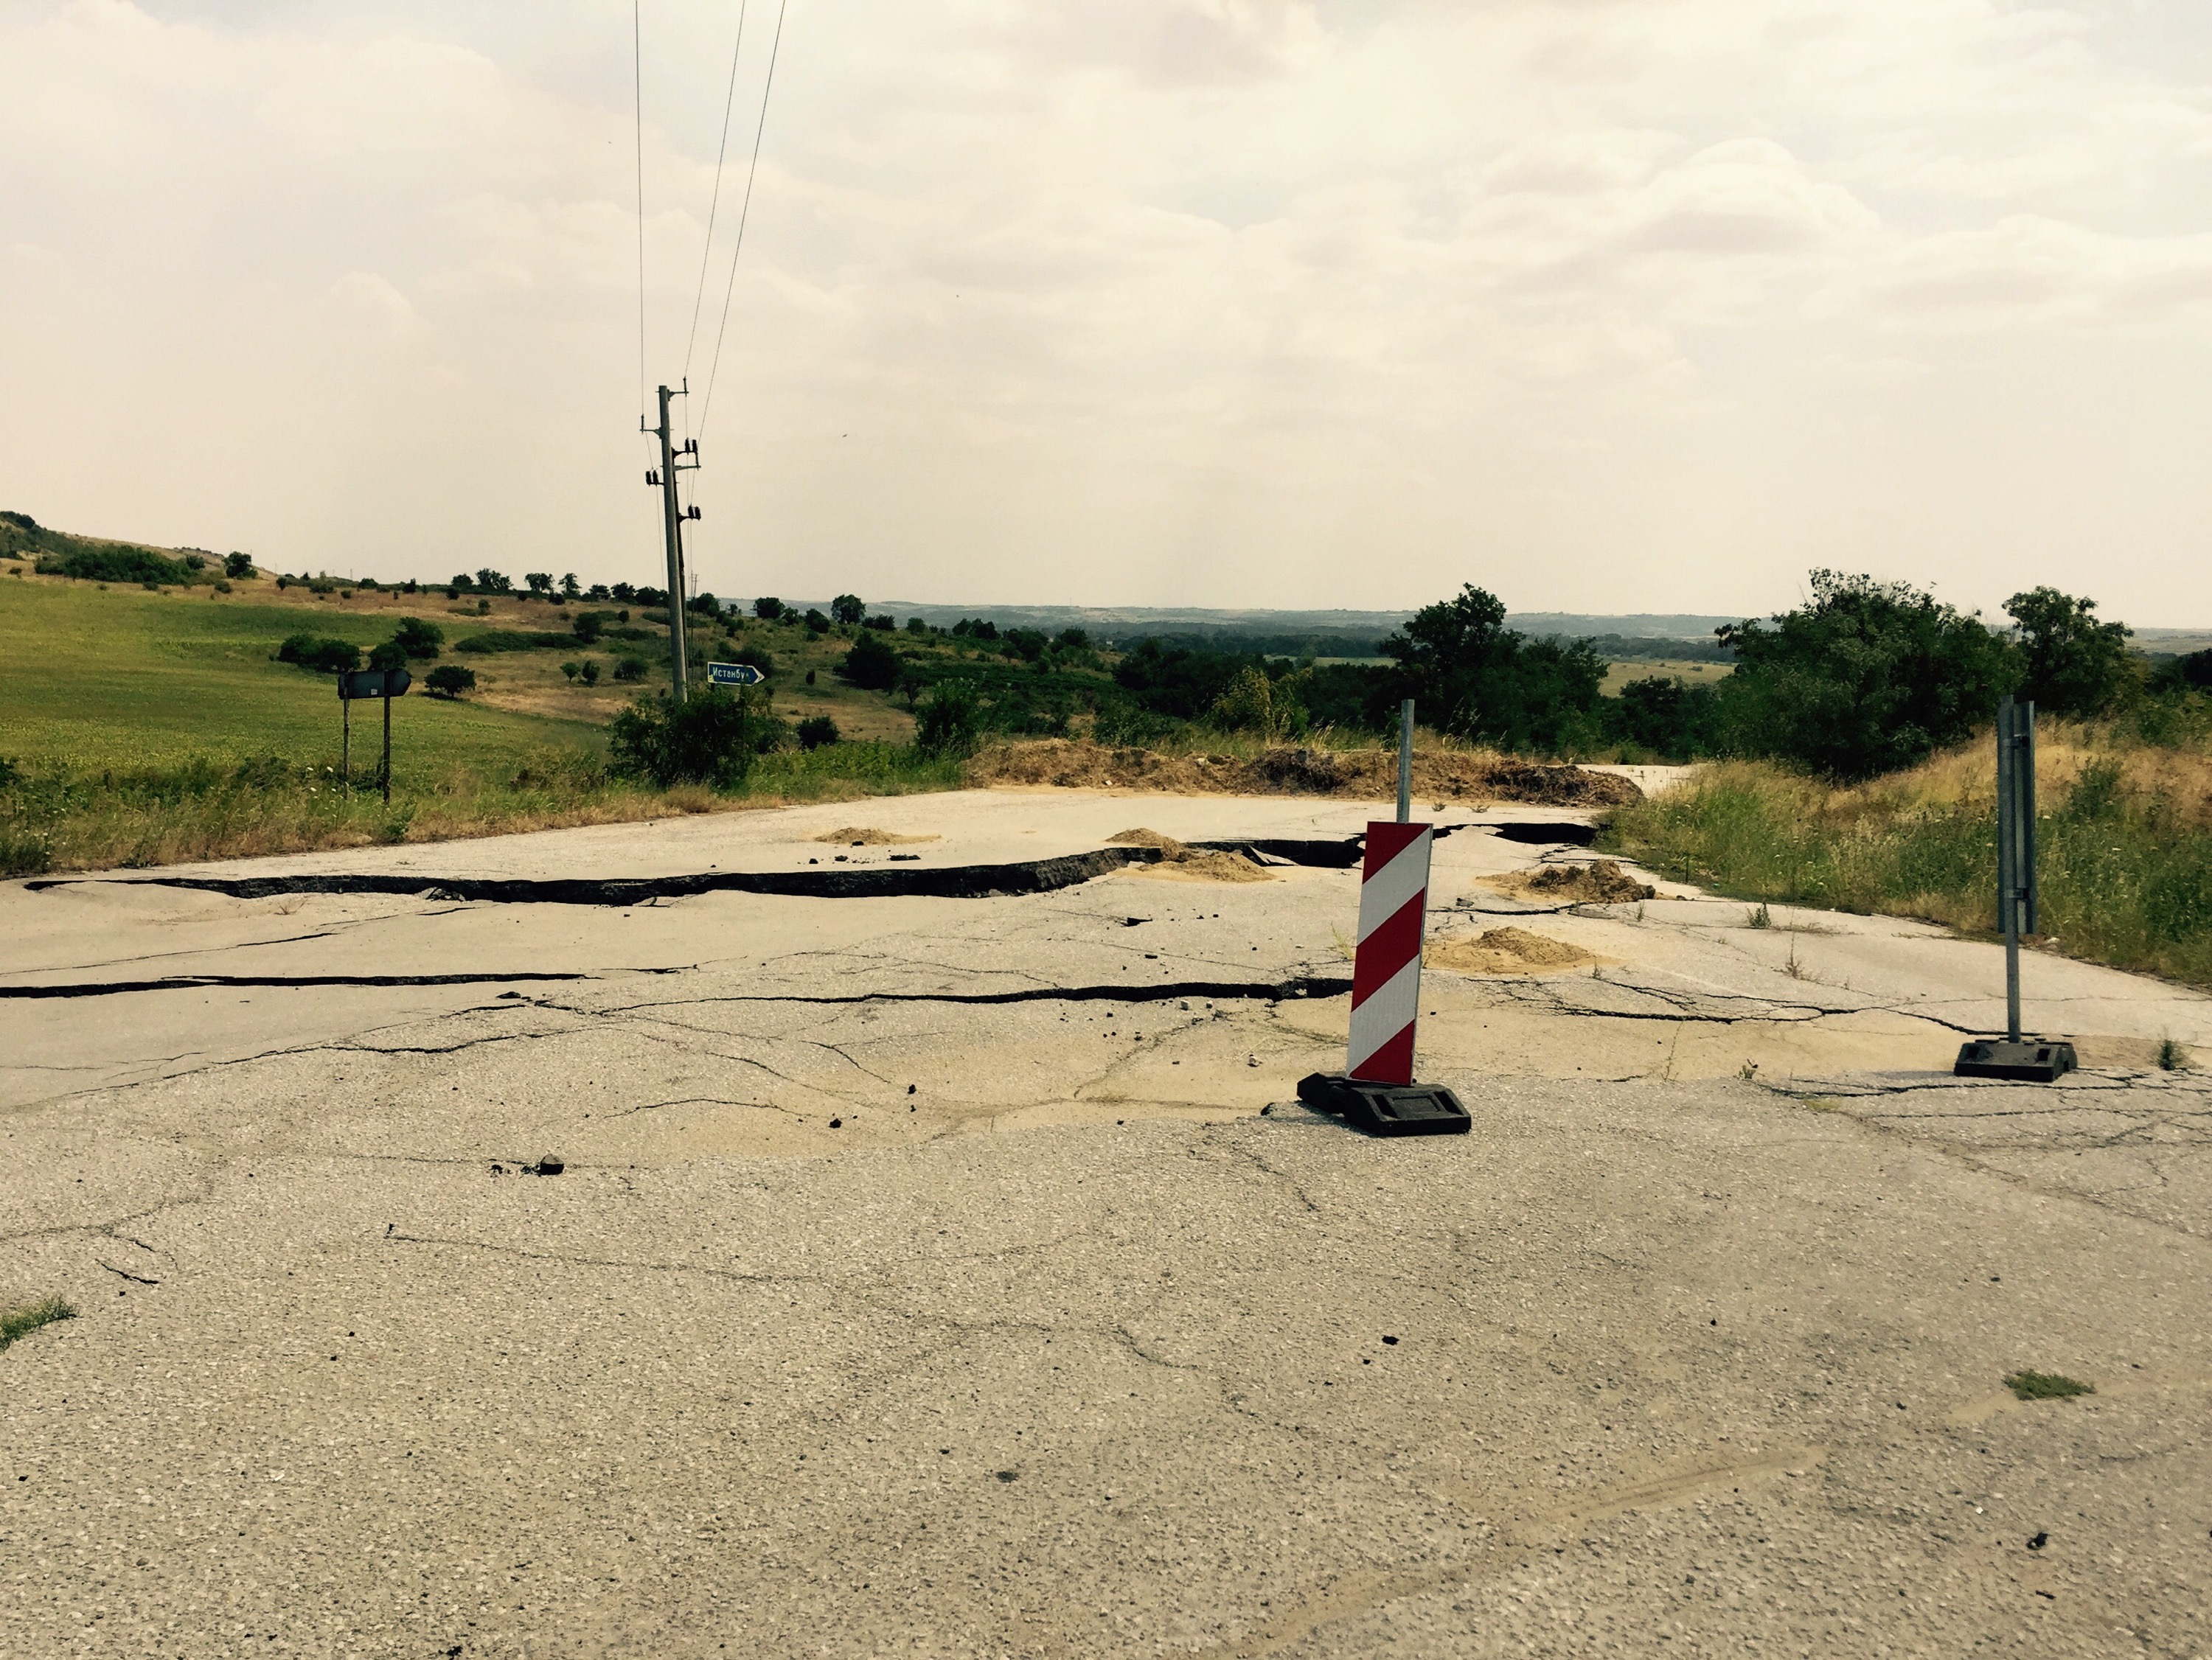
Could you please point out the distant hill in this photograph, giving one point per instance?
(1342, 633)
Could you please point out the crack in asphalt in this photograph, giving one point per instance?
(865, 882)
(191, 982)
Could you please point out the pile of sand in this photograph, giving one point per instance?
(1506, 951)
(1601, 883)
(1438, 775)
(856, 835)
(1181, 862)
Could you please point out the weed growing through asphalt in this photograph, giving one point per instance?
(1758, 917)
(2046, 1385)
(1793, 968)
(1748, 1071)
(2171, 1056)
(20, 1322)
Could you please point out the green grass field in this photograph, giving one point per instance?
(113, 678)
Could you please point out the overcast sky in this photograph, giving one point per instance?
(1605, 305)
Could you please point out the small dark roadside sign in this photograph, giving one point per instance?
(733, 674)
(375, 683)
(356, 684)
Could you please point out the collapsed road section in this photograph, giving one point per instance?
(960, 882)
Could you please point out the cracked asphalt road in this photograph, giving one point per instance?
(890, 1302)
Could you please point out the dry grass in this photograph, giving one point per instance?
(1442, 772)
(2124, 833)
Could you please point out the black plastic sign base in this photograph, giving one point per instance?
(2027, 1061)
(1383, 1109)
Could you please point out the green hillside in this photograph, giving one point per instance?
(130, 679)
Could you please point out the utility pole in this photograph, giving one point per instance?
(672, 515)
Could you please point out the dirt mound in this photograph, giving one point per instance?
(1179, 863)
(1167, 845)
(1438, 775)
(1506, 951)
(856, 835)
(1601, 883)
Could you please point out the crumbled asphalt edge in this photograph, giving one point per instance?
(963, 882)
(188, 982)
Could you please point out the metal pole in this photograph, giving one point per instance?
(387, 774)
(345, 744)
(671, 528)
(1405, 761)
(2009, 883)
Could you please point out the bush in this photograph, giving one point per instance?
(816, 731)
(872, 664)
(418, 638)
(630, 668)
(767, 610)
(711, 738)
(589, 625)
(572, 670)
(1254, 703)
(328, 657)
(388, 655)
(449, 679)
(917, 626)
(946, 725)
(816, 623)
(237, 567)
(589, 672)
(115, 564)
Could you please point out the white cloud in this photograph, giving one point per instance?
(1618, 305)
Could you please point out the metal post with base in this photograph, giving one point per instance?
(1375, 1091)
(2021, 1059)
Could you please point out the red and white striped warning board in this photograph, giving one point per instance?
(1386, 974)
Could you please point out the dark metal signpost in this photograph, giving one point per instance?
(2016, 1057)
(383, 683)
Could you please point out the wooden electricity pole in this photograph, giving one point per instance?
(672, 515)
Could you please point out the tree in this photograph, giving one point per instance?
(630, 668)
(2072, 665)
(491, 582)
(449, 679)
(816, 623)
(237, 567)
(917, 626)
(589, 673)
(387, 656)
(1868, 677)
(588, 627)
(871, 664)
(1471, 675)
(418, 638)
(767, 609)
(847, 610)
(570, 589)
(541, 581)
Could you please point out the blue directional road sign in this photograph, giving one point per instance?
(733, 674)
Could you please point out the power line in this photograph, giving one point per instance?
(637, 88)
(714, 206)
(706, 407)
